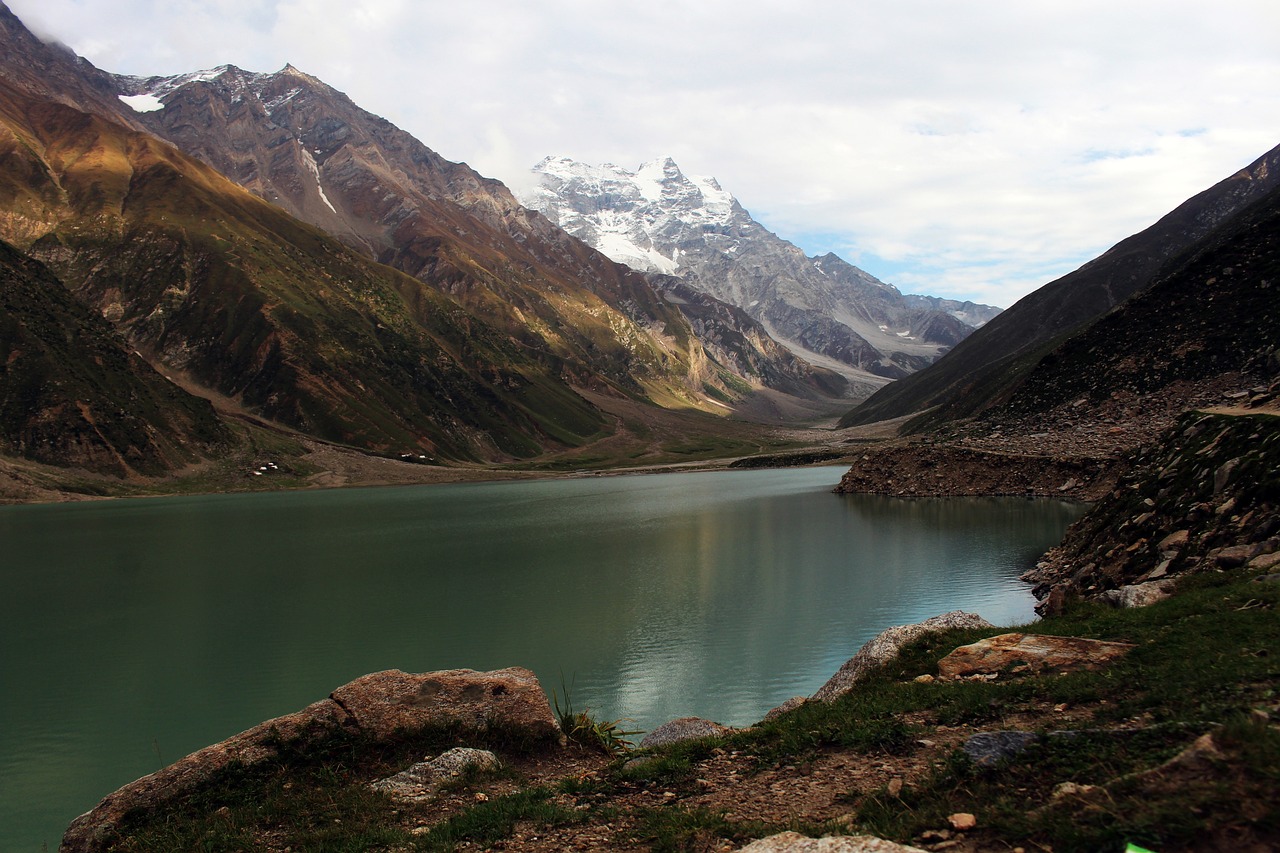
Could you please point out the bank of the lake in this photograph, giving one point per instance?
(138, 631)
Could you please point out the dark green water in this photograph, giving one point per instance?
(134, 632)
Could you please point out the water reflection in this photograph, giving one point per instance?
(134, 632)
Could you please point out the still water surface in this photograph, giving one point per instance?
(134, 632)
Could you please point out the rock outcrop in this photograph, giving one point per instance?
(1017, 654)
(886, 645)
(376, 706)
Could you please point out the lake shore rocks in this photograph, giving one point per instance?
(376, 706)
(886, 645)
(685, 728)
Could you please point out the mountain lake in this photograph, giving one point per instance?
(133, 632)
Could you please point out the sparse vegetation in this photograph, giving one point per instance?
(609, 736)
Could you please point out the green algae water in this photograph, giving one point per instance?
(134, 632)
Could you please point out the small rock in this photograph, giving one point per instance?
(1262, 562)
(894, 788)
(1232, 557)
(423, 780)
(987, 749)
(787, 706)
(924, 679)
(1174, 542)
(1139, 595)
(1070, 789)
(962, 821)
(685, 728)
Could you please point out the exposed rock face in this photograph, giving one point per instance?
(1016, 653)
(826, 310)
(685, 728)
(422, 780)
(376, 706)
(886, 645)
(794, 842)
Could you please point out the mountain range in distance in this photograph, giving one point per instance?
(824, 309)
(240, 252)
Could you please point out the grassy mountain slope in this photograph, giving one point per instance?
(260, 307)
(71, 394)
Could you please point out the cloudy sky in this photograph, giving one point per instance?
(969, 148)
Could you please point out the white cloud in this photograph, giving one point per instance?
(975, 148)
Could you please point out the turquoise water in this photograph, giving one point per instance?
(133, 632)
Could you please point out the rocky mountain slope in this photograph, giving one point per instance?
(300, 144)
(985, 369)
(466, 336)
(1205, 334)
(662, 220)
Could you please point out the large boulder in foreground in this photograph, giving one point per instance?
(377, 706)
(885, 647)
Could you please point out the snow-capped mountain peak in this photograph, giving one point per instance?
(637, 218)
(658, 219)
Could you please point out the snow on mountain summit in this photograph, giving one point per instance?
(636, 218)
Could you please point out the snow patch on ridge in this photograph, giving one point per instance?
(142, 103)
(314, 168)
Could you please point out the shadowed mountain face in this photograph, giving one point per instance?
(825, 309)
(70, 394)
(986, 368)
(1213, 311)
(206, 278)
(466, 336)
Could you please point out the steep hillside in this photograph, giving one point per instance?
(207, 278)
(987, 366)
(70, 394)
(1209, 323)
(826, 310)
